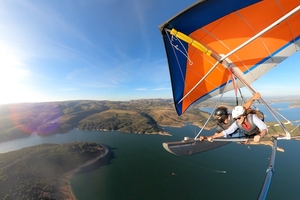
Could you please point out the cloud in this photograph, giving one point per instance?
(65, 89)
(43, 30)
(102, 76)
(163, 88)
(153, 89)
(141, 89)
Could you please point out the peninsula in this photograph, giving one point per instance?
(146, 116)
(42, 171)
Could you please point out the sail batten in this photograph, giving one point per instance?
(269, 29)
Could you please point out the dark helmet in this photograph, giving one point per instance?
(221, 112)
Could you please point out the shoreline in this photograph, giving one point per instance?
(65, 189)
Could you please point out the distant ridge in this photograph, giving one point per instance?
(145, 116)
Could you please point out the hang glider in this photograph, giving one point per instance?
(216, 46)
(212, 38)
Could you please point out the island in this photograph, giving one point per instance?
(42, 171)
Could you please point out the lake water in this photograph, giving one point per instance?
(138, 167)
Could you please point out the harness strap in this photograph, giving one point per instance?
(249, 127)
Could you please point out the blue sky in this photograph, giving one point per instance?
(100, 50)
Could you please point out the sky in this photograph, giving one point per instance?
(98, 50)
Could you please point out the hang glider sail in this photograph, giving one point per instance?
(212, 39)
(215, 46)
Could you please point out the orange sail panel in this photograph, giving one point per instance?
(222, 26)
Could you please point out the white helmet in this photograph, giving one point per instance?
(238, 111)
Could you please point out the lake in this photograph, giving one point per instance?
(138, 167)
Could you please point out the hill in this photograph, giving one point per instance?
(147, 116)
(136, 116)
(37, 172)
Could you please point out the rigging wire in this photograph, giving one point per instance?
(217, 104)
(288, 136)
(295, 128)
(185, 53)
(270, 169)
(234, 87)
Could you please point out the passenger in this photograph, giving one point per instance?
(250, 124)
(225, 119)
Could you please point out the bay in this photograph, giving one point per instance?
(137, 167)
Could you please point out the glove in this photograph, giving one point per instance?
(256, 138)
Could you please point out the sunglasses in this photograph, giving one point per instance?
(238, 118)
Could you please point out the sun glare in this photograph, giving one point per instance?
(12, 76)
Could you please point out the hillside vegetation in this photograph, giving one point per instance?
(37, 172)
(136, 116)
